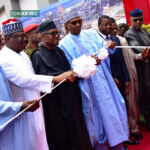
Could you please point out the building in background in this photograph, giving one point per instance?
(7, 5)
(90, 10)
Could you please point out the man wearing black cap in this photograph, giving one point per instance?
(136, 36)
(65, 127)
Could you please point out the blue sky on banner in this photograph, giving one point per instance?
(53, 8)
(90, 11)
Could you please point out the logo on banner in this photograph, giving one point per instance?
(24, 13)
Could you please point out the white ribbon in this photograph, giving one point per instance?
(103, 53)
(21, 112)
(140, 47)
(84, 66)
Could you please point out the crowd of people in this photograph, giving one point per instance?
(98, 113)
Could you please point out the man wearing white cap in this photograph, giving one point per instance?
(25, 85)
(103, 106)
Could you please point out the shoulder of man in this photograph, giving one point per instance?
(145, 31)
(115, 39)
(90, 32)
(28, 51)
(58, 49)
(35, 53)
(65, 37)
(122, 39)
(65, 42)
(130, 32)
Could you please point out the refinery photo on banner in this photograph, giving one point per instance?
(90, 11)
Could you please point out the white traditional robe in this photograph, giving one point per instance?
(25, 85)
(132, 97)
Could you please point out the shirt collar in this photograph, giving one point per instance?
(103, 36)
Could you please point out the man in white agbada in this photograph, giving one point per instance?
(25, 85)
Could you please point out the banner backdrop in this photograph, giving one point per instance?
(90, 11)
(144, 5)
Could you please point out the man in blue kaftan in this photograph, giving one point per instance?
(14, 136)
(103, 106)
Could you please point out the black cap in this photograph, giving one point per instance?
(46, 25)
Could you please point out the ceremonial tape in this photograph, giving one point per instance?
(21, 112)
(140, 47)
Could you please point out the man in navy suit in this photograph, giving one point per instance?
(118, 65)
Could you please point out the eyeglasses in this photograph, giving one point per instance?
(140, 19)
(53, 33)
(75, 22)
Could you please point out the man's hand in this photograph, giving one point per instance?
(127, 87)
(69, 75)
(72, 76)
(117, 82)
(111, 44)
(145, 52)
(98, 61)
(27, 103)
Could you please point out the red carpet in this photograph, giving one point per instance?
(144, 144)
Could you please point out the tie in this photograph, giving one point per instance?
(107, 38)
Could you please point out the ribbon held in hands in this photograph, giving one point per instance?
(139, 47)
(84, 66)
(24, 110)
(103, 53)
